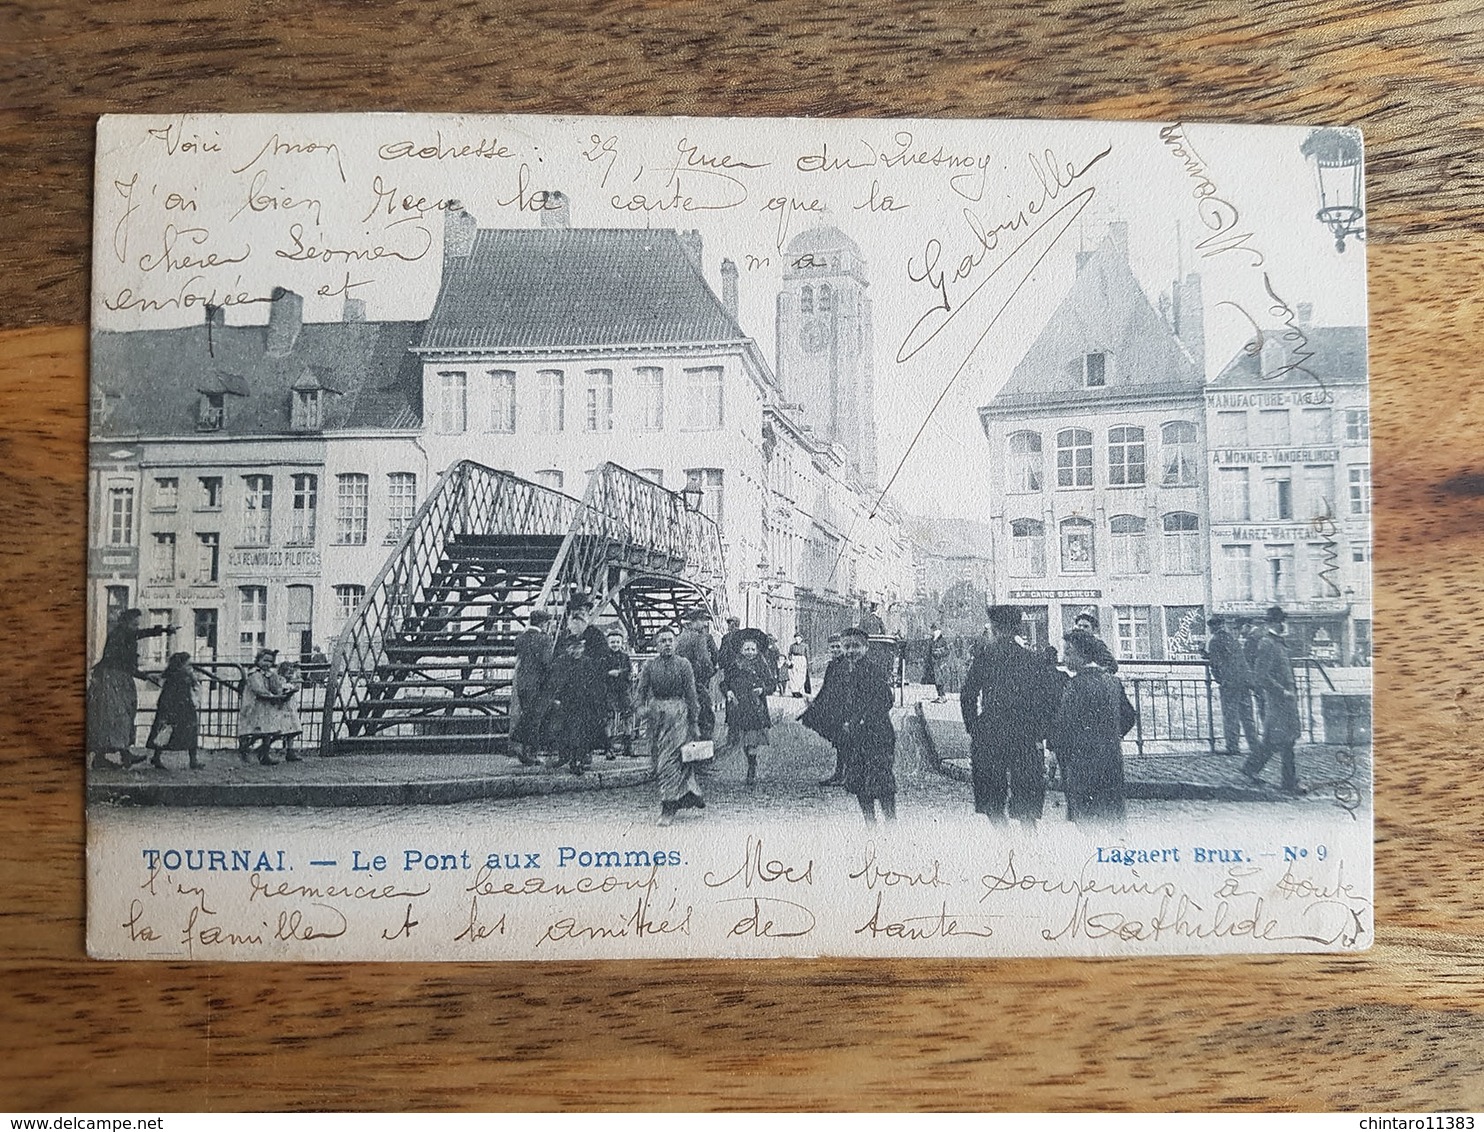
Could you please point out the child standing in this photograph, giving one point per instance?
(284, 710)
(747, 679)
(175, 727)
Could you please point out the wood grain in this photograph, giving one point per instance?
(1399, 1027)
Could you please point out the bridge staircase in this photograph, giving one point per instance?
(427, 661)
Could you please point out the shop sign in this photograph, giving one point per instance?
(1270, 399)
(1275, 455)
(266, 560)
(1043, 595)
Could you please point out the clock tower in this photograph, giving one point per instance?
(824, 342)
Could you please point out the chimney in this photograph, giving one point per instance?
(729, 287)
(285, 317)
(556, 210)
(1118, 234)
(1305, 315)
(690, 243)
(459, 228)
(355, 310)
(1190, 319)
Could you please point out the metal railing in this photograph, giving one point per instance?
(627, 523)
(219, 692)
(469, 499)
(1178, 705)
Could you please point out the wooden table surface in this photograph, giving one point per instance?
(1400, 1027)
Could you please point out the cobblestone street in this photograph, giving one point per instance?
(788, 789)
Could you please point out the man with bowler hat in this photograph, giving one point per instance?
(1230, 670)
(1003, 714)
(1272, 677)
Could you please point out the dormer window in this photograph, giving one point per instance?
(307, 403)
(211, 415)
(1094, 370)
(306, 412)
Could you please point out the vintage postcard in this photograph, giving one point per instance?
(552, 538)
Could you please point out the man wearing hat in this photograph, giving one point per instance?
(863, 730)
(1004, 710)
(697, 646)
(1230, 670)
(1087, 621)
(577, 686)
(1272, 677)
(533, 656)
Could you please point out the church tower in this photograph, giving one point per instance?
(824, 342)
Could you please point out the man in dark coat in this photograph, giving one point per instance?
(1087, 621)
(871, 623)
(577, 688)
(533, 657)
(729, 641)
(1003, 713)
(697, 646)
(1272, 677)
(1230, 671)
(866, 737)
(1087, 732)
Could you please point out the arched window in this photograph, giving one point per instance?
(1182, 543)
(1025, 461)
(826, 297)
(806, 301)
(1076, 546)
(1027, 548)
(1074, 458)
(1126, 456)
(1130, 550)
(1177, 454)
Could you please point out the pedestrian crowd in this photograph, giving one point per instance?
(267, 710)
(576, 693)
(1253, 669)
(1018, 703)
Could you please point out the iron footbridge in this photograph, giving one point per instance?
(427, 661)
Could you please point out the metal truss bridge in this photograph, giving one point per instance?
(427, 662)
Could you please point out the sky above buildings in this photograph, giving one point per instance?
(970, 230)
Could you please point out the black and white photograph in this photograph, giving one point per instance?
(557, 537)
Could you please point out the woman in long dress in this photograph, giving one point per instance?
(668, 704)
(112, 698)
(175, 727)
(1087, 733)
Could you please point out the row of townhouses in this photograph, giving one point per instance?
(249, 481)
(1126, 482)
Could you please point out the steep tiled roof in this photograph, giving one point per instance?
(1105, 311)
(1338, 358)
(576, 287)
(153, 379)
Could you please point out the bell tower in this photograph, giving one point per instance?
(825, 342)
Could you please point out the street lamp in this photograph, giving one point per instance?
(1336, 157)
(691, 494)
